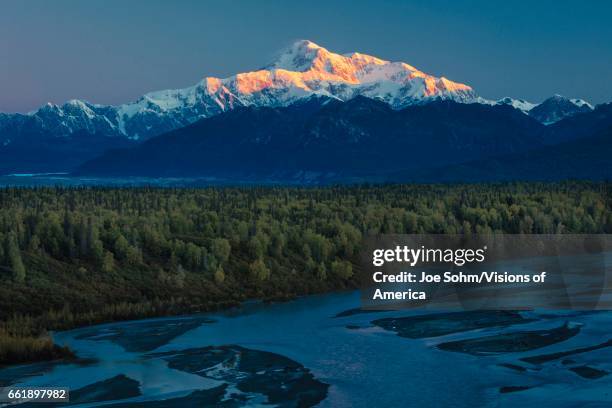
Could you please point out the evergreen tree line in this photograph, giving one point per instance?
(196, 230)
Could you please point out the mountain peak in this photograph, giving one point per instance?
(557, 107)
(301, 71)
(306, 64)
(560, 99)
(299, 56)
(305, 44)
(519, 104)
(557, 98)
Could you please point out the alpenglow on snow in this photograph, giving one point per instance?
(302, 70)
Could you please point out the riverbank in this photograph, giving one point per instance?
(71, 257)
(26, 340)
(177, 361)
(30, 349)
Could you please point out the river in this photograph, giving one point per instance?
(321, 350)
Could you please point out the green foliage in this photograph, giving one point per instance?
(121, 247)
(108, 262)
(25, 349)
(220, 249)
(100, 251)
(259, 270)
(342, 269)
(14, 258)
(219, 276)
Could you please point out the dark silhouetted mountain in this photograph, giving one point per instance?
(557, 108)
(43, 153)
(55, 139)
(519, 104)
(587, 159)
(580, 126)
(358, 138)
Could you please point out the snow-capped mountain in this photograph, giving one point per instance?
(519, 104)
(303, 70)
(558, 107)
(551, 110)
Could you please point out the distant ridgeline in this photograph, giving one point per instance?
(366, 140)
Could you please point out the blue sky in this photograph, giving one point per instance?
(113, 51)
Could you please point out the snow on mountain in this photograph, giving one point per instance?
(303, 70)
(306, 68)
(581, 102)
(549, 111)
(558, 107)
(519, 104)
(54, 120)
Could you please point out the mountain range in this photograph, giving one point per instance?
(326, 141)
(314, 102)
(326, 138)
(302, 70)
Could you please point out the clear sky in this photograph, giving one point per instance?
(113, 51)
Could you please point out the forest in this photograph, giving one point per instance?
(79, 256)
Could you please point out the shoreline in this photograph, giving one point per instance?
(62, 353)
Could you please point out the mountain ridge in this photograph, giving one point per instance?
(302, 70)
(58, 138)
(352, 138)
(578, 159)
(558, 107)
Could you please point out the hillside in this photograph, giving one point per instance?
(586, 159)
(359, 138)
